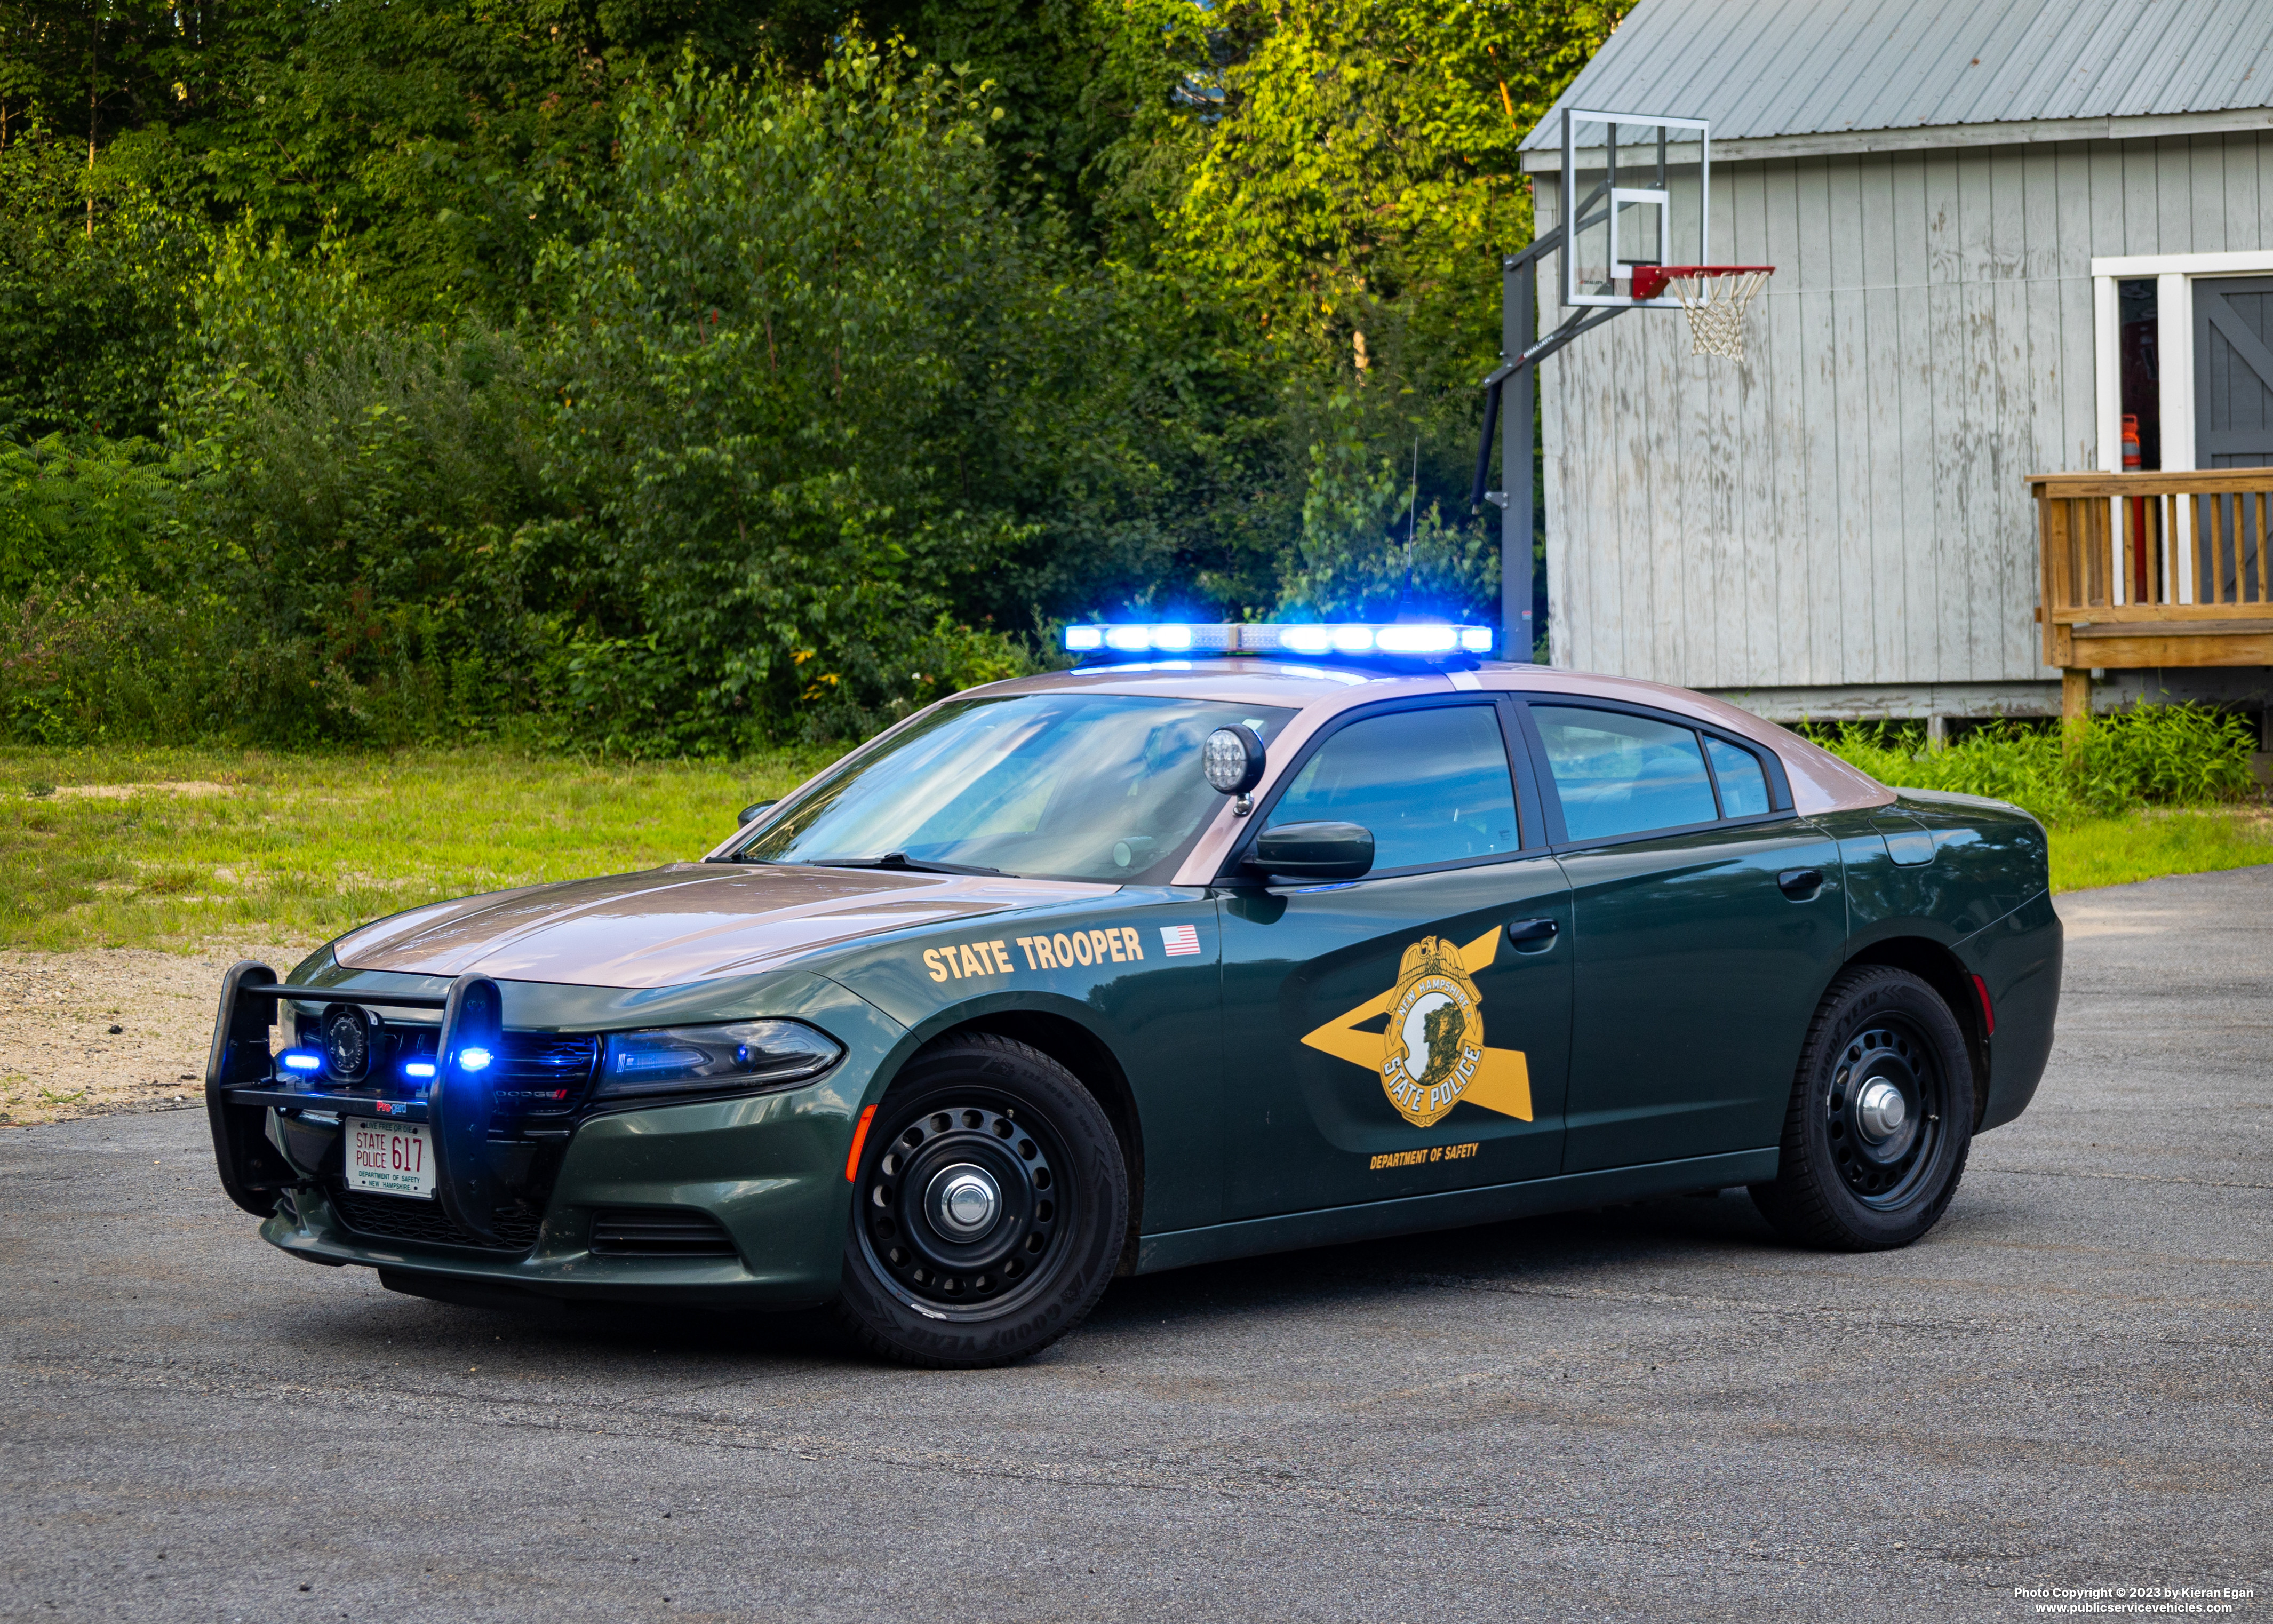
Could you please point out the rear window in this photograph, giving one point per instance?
(1623, 775)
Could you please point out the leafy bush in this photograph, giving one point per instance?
(91, 271)
(2183, 755)
(83, 507)
(814, 370)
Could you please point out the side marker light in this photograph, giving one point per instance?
(1988, 1015)
(859, 1138)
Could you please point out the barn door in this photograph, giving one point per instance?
(2233, 421)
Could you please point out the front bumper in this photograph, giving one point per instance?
(738, 1200)
(769, 1171)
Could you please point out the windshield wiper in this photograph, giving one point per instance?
(899, 862)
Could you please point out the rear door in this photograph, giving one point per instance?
(1708, 922)
(1386, 1036)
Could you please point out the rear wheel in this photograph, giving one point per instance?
(988, 1207)
(1880, 1120)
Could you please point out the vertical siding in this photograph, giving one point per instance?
(1848, 505)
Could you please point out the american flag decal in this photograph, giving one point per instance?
(1177, 941)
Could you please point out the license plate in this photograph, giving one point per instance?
(390, 1158)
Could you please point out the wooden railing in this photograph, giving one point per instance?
(2156, 569)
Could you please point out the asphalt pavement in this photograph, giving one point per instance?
(1653, 1412)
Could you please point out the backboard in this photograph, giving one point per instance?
(1636, 192)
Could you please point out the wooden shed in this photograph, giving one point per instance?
(1999, 229)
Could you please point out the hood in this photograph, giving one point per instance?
(687, 922)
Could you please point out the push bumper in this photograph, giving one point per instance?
(756, 1181)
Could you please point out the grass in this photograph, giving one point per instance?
(2148, 791)
(288, 848)
(182, 849)
(2115, 851)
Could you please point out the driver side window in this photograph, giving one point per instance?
(1432, 786)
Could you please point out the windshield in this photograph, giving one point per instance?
(1058, 786)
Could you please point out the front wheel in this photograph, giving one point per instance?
(1880, 1119)
(989, 1207)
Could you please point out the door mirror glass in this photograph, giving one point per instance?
(752, 810)
(1431, 784)
(1743, 782)
(1317, 851)
(1623, 775)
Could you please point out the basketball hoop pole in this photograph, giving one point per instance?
(1520, 350)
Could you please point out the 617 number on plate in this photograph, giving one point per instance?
(390, 1158)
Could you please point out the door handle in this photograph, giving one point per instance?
(1532, 935)
(1801, 885)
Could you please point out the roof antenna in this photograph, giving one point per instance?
(1413, 518)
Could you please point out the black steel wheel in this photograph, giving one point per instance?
(1880, 1120)
(989, 1206)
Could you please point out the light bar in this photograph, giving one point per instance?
(1421, 638)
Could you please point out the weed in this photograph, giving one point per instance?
(2148, 756)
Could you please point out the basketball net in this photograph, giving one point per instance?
(1713, 296)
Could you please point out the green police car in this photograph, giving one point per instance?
(1227, 941)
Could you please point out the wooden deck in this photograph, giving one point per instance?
(2154, 569)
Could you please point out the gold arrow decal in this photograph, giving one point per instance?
(1501, 1080)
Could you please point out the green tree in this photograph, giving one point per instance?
(816, 370)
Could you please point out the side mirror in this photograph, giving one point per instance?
(751, 811)
(1314, 852)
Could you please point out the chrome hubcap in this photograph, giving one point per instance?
(1881, 1109)
(964, 1201)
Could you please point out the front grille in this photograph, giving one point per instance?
(658, 1232)
(398, 1218)
(534, 1073)
(544, 1071)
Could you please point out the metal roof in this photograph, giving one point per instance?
(1760, 69)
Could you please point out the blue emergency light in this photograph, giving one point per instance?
(301, 1060)
(1310, 638)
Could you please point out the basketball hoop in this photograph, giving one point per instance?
(1713, 296)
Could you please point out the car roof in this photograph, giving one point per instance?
(1318, 691)
(1321, 689)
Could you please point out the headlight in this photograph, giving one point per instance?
(741, 1056)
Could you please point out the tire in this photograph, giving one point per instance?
(1848, 1181)
(989, 1207)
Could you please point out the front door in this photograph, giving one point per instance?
(1708, 921)
(2233, 427)
(1392, 1035)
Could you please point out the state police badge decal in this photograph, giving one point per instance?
(1432, 1056)
(1435, 1036)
